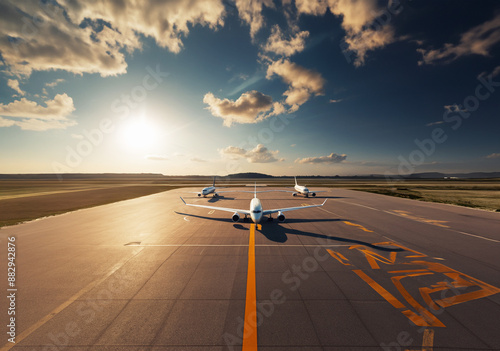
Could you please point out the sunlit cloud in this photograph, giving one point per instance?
(332, 158)
(334, 101)
(29, 115)
(70, 37)
(259, 154)
(478, 40)
(363, 33)
(250, 11)
(278, 44)
(54, 83)
(434, 123)
(250, 107)
(197, 159)
(156, 157)
(302, 82)
(495, 155)
(14, 85)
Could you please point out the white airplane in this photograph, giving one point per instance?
(255, 212)
(302, 189)
(209, 190)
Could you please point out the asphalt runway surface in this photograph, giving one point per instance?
(364, 272)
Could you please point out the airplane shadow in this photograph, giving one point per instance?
(277, 233)
(220, 197)
(274, 231)
(204, 217)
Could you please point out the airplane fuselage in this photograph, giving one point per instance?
(255, 210)
(302, 190)
(207, 190)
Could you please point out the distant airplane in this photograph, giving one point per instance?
(301, 189)
(255, 212)
(209, 190)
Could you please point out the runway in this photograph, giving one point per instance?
(364, 272)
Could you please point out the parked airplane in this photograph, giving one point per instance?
(303, 190)
(255, 212)
(209, 190)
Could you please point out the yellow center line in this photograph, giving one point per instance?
(250, 331)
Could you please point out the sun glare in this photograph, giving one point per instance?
(139, 133)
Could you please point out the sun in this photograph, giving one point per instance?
(139, 133)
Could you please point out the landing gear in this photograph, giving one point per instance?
(215, 195)
(245, 219)
(270, 219)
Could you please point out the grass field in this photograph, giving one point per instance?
(24, 200)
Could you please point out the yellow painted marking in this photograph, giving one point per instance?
(427, 342)
(339, 257)
(250, 326)
(429, 318)
(61, 307)
(421, 219)
(211, 211)
(425, 321)
(382, 292)
(358, 226)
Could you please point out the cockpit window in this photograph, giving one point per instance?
(256, 211)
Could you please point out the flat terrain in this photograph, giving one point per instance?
(24, 200)
(364, 272)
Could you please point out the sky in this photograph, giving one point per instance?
(284, 87)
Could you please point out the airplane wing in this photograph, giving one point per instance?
(291, 208)
(247, 212)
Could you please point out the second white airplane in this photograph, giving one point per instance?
(256, 212)
(302, 189)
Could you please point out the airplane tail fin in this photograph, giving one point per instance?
(295, 180)
(255, 191)
(213, 182)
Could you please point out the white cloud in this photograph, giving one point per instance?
(250, 12)
(197, 159)
(14, 85)
(70, 37)
(334, 101)
(259, 154)
(54, 83)
(278, 44)
(454, 108)
(332, 158)
(156, 157)
(29, 115)
(493, 155)
(250, 107)
(434, 123)
(302, 82)
(478, 40)
(360, 21)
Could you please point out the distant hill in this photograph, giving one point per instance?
(247, 175)
(437, 175)
(68, 176)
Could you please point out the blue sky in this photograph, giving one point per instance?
(280, 87)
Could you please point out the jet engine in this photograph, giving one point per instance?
(281, 217)
(294, 194)
(199, 194)
(313, 194)
(236, 217)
